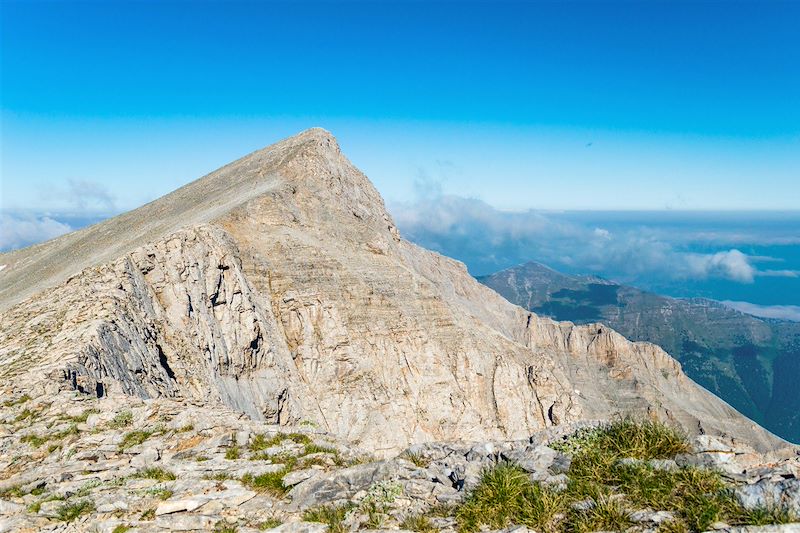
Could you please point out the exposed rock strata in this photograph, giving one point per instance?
(279, 286)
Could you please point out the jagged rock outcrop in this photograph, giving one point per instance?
(279, 286)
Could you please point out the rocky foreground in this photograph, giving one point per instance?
(72, 462)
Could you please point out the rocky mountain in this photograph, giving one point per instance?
(257, 349)
(750, 362)
(280, 287)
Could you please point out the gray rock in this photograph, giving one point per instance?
(654, 517)
(9, 508)
(301, 527)
(298, 476)
(784, 494)
(146, 458)
(780, 528)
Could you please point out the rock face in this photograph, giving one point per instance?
(279, 286)
(749, 362)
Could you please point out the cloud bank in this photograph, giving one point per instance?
(20, 230)
(784, 312)
(488, 239)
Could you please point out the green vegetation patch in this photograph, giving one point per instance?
(121, 420)
(158, 474)
(19, 401)
(603, 490)
(417, 523)
(332, 515)
(262, 442)
(134, 438)
(271, 482)
(70, 511)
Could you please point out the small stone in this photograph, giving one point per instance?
(655, 517)
(176, 506)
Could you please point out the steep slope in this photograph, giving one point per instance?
(751, 363)
(279, 285)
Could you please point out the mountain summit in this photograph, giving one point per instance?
(279, 286)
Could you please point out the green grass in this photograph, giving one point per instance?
(81, 418)
(134, 438)
(316, 448)
(220, 476)
(607, 514)
(70, 511)
(417, 523)
(331, 515)
(24, 415)
(269, 523)
(232, 453)
(506, 495)
(121, 528)
(158, 474)
(19, 401)
(698, 497)
(37, 440)
(261, 442)
(627, 438)
(417, 459)
(121, 420)
(160, 492)
(271, 482)
(224, 527)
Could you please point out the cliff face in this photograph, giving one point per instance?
(751, 363)
(279, 286)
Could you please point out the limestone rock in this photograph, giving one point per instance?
(279, 286)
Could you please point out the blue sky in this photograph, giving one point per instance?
(494, 116)
(552, 105)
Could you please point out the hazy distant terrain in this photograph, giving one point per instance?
(752, 363)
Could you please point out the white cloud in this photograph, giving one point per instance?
(488, 239)
(733, 265)
(17, 231)
(784, 312)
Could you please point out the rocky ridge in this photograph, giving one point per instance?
(72, 462)
(271, 309)
(279, 286)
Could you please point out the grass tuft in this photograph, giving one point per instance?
(269, 523)
(158, 474)
(134, 438)
(70, 511)
(121, 420)
(232, 453)
(648, 439)
(331, 515)
(417, 522)
(506, 495)
(271, 482)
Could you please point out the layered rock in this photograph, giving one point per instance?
(279, 286)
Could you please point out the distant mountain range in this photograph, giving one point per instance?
(752, 363)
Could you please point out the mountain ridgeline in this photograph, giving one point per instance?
(750, 362)
(280, 287)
